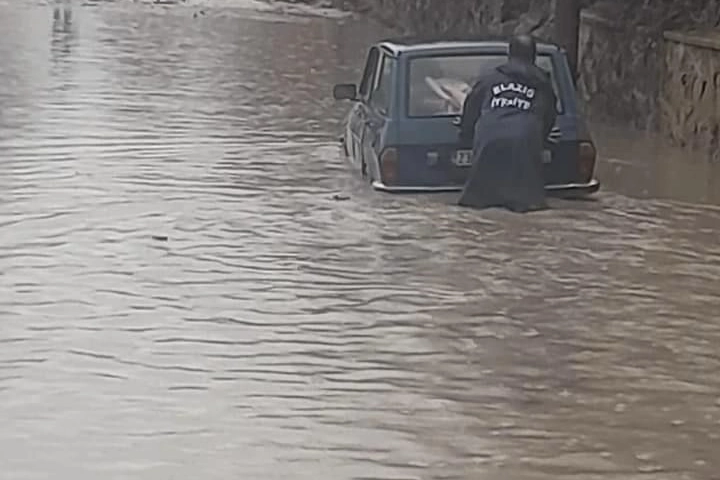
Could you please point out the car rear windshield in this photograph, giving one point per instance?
(438, 84)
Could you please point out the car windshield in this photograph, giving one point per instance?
(438, 84)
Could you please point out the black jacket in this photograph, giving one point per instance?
(511, 89)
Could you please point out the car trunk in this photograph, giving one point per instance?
(430, 160)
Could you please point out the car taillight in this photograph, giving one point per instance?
(586, 161)
(388, 165)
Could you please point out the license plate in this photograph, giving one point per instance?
(462, 158)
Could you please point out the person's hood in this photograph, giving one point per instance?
(526, 73)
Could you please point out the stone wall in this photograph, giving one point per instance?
(690, 98)
(620, 72)
(653, 81)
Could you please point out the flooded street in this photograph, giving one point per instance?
(184, 298)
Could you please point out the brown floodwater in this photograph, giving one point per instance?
(183, 297)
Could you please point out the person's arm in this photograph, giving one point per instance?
(471, 113)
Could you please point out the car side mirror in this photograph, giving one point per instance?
(345, 91)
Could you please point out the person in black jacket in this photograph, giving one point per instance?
(507, 117)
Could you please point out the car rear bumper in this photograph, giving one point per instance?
(571, 189)
(574, 189)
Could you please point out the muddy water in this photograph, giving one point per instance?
(182, 296)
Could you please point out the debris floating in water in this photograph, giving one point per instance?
(339, 197)
(160, 238)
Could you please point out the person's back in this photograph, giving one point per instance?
(509, 114)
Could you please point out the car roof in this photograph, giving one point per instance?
(439, 45)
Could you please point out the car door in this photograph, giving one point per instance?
(378, 111)
(359, 113)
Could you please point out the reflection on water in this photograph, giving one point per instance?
(62, 37)
(279, 333)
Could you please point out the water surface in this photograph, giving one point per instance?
(278, 333)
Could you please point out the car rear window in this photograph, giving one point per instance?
(438, 84)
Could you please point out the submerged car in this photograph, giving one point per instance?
(402, 130)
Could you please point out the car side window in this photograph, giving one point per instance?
(382, 91)
(368, 78)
